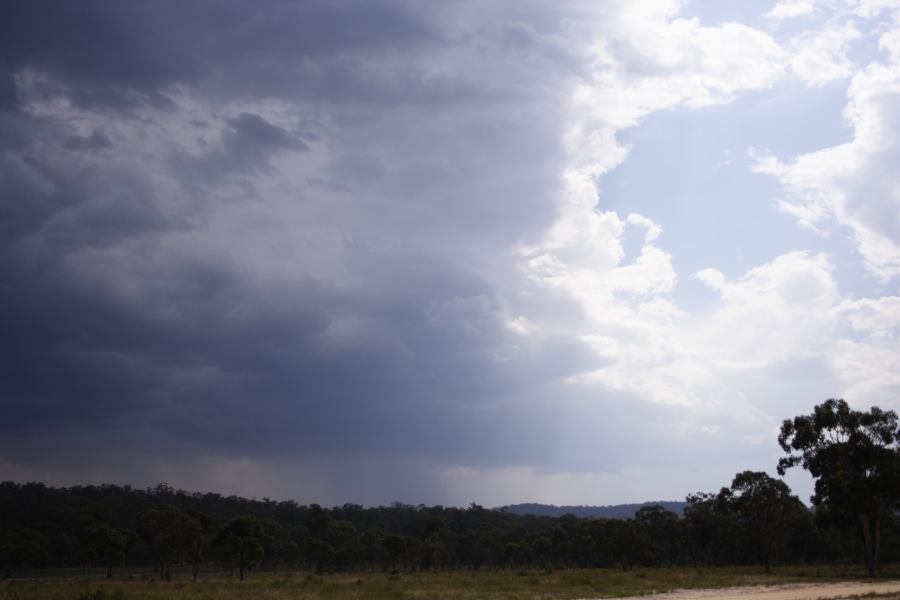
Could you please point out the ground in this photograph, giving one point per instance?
(727, 583)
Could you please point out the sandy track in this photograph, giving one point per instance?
(782, 592)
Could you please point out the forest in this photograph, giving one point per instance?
(753, 520)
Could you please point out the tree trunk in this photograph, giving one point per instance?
(877, 555)
(868, 543)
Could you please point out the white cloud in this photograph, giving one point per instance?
(775, 311)
(650, 61)
(890, 41)
(855, 184)
(712, 278)
(869, 365)
(819, 57)
(789, 9)
(873, 8)
(663, 63)
(878, 317)
(653, 61)
(870, 372)
(653, 229)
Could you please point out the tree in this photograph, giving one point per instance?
(343, 537)
(665, 532)
(763, 506)
(107, 543)
(320, 553)
(171, 533)
(276, 542)
(241, 538)
(854, 459)
(541, 548)
(708, 527)
(630, 542)
(196, 538)
(394, 548)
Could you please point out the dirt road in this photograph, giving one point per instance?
(782, 592)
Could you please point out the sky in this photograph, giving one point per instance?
(572, 252)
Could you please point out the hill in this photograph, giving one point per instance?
(614, 511)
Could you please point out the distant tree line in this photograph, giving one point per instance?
(614, 511)
(755, 520)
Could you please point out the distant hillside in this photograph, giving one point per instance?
(616, 511)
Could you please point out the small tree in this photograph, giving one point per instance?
(630, 542)
(171, 533)
(707, 527)
(665, 531)
(320, 553)
(541, 548)
(108, 544)
(241, 538)
(343, 537)
(196, 537)
(763, 506)
(276, 541)
(394, 548)
(854, 459)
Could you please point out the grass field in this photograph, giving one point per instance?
(490, 585)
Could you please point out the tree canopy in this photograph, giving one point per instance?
(854, 459)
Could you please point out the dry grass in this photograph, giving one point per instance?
(467, 585)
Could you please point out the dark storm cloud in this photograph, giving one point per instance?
(238, 373)
(247, 144)
(50, 192)
(61, 367)
(126, 310)
(122, 53)
(251, 140)
(95, 141)
(8, 96)
(258, 132)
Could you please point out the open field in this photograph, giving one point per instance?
(491, 585)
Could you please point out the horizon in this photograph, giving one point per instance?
(154, 489)
(367, 252)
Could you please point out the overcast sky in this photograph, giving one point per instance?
(581, 252)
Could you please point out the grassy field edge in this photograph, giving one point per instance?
(482, 584)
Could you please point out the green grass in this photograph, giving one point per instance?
(482, 585)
